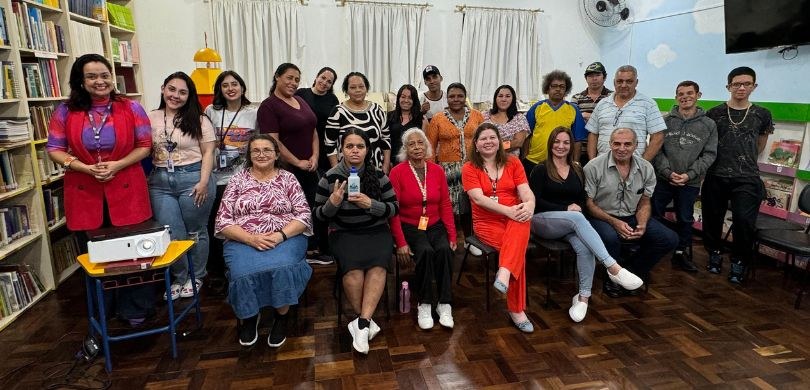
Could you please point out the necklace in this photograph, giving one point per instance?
(737, 124)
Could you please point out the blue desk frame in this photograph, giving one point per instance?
(94, 285)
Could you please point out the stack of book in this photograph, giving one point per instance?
(5, 39)
(120, 16)
(54, 205)
(19, 286)
(65, 252)
(14, 223)
(85, 39)
(40, 117)
(93, 9)
(35, 32)
(10, 86)
(41, 79)
(14, 130)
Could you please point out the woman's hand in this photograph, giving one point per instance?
(105, 171)
(404, 256)
(336, 198)
(453, 246)
(313, 163)
(361, 200)
(521, 212)
(200, 193)
(263, 241)
(574, 207)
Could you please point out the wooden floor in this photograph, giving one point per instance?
(687, 331)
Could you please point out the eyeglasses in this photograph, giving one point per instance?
(616, 119)
(259, 152)
(557, 86)
(746, 84)
(620, 192)
(96, 76)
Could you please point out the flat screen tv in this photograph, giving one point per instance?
(764, 24)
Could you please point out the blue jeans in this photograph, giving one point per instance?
(172, 205)
(657, 241)
(684, 198)
(575, 228)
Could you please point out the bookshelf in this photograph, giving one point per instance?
(39, 41)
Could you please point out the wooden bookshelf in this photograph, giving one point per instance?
(45, 39)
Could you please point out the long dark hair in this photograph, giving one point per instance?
(369, 183)
(551, 167)
(512, 110)
(256, 137)
(190, 114)
(80, 99)
(500, 155)
(219, 102)
(416, 111)
(283, 68)
(334, 78)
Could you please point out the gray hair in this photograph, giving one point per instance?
(625, 130)
(403, 151)
(628, 68)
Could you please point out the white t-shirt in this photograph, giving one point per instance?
(231, 141)
(436, 106)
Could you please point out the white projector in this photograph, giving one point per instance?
(128, 243)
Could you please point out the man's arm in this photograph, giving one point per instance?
(622, 228)
(656, 141)
(761, 141)
(593, 139)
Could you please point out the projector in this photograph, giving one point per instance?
(147, 239)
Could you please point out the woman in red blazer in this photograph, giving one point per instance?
(100, 137)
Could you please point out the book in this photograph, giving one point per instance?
(777, 199)
(128, 265)
(785, 152)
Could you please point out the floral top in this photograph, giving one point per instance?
(262, 207)
(509, 129)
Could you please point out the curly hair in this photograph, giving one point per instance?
(557, 75)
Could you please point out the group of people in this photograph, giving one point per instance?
(281, 180)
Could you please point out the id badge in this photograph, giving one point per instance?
(494, 197)
(423, 221)
(170, 164)
(223, 160)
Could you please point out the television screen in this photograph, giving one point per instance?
(763, 24)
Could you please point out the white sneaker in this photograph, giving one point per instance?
(175, 291)
(445, 312)
(373, 329)
(578, 309)
(187, 291)
(474, 250)
(359, 337)
(424, 316)
(626, 279)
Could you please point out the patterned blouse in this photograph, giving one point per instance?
(262, 207)
(509, 129)
(372, 121)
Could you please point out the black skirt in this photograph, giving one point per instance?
(362, 248)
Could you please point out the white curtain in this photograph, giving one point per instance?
(254, 37)
(500, 47)
(386, 43)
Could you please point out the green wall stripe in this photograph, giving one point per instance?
(794, 112)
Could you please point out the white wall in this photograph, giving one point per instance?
(169, 38)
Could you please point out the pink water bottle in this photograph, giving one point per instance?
(404, 298)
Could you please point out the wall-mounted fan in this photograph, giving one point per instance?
(606, 13)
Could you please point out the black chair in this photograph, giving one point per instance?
(793, 243)
(488, 253)
(552, 247)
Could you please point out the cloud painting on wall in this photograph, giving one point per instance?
(661, 55)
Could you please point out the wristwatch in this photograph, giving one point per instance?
(68, 161)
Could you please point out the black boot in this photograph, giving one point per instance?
(682, 261)
(278, 334)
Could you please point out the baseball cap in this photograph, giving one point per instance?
(595, 67)
(430, 69)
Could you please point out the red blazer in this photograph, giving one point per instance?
(126, 195)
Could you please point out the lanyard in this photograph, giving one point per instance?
(170, 145)
(422, 186)
(225, 131)
(493, 181)
(97, 130)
